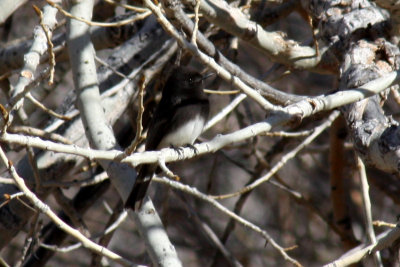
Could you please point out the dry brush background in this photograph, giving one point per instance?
(299, 164)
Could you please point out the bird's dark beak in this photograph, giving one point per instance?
(208, 75)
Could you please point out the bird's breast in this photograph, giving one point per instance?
(184, 134)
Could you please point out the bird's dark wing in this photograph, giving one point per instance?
(160, 126)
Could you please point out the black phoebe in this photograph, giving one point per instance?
(178, 120)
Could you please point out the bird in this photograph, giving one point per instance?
(179, 120)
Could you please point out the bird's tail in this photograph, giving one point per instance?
(139, 189)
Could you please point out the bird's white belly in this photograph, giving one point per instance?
(185, 134)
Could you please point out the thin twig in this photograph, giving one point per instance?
(139, 127)
(318, 130)
(62, 249)
(29, 241)
(194, 192)
(209, 232)
(114, 70)
(314, 34)
(129, 7)
(302, 200)
(57, 123)
(289, 134)
(44, 208)
(50, 45)
(68, 208)
(8, 197)
(225, 111)
(367, 210)
(110, 228)
(45, 109)
(215, 92)
(386, 224)
(4, 180)
(168, 172)
(101, 24)
(196, 22)
(117, 217)
(27, 130)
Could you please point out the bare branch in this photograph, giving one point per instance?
(156, 241)
(194, 192)
(97, 129)
(367, 210)
(272, 44)
(32, 58)
(317, 131)
(207, 60)
(42, 207)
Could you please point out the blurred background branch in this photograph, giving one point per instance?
(287, 65)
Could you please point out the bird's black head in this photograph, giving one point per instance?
(184, 83)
